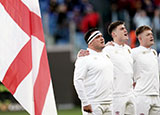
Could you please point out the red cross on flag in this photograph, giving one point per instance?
(24, 68)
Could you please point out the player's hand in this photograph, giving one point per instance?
(87, 108)
(109, 43)
(82, 53)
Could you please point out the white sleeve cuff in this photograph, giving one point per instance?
(85, 103)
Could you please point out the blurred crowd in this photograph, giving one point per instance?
(59, 15)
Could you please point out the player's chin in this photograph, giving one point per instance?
(102, 45)
(126, 37)
(125, 40)
(152, 43)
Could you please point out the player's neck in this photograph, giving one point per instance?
(96, 49)
(146, 46)
(119, 43)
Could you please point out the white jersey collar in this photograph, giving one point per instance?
(93, 51)
(117, 45)
(144, 48)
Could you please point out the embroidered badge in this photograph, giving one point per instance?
(154, 53)
(129, 51)
(107, 56)
(95, 58)
(141, 113)
(144, 52)
(117, 113)
(116, 52)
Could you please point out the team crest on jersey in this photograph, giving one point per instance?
(129, 51)
(116, 52)
(95, 58)
(154, 53)
(107, 56)
(141, 113)
(144, 52)
(117, 113)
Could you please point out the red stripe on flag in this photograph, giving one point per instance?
(19, 68)
(28, 21)
(40, 91)
(37, 28)
(19, 13)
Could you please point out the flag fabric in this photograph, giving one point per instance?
(24, 68)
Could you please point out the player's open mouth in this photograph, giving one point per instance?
(126, 34)
(152, 40)
(102, 42)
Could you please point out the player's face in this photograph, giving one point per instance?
(98, 42)
(146, 38)
(121, 33)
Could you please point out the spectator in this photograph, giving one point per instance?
(156, 23)
(157, 3)
(141, 18)
(62, 32)
(77, 18)
(148, 6)
(53, 16)
(90, 20)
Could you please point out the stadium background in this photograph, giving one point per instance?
(65, 22)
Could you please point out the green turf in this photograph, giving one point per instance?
(75, 111)
(14, 113)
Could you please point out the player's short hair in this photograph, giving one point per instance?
(88, 34)
(141, 29)
(114, 25)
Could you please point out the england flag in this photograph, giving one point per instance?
(24, 68)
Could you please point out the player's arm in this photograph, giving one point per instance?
(133, 55)
(79, 77)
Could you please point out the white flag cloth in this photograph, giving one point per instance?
(24, 68)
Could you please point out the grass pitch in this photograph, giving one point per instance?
(75, 111)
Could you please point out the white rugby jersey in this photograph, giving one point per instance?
(93, 78)
(159, 62)
(123, 68)
(146, 73)
(159, 70)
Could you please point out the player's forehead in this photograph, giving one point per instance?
(145, 32)
(122, 26)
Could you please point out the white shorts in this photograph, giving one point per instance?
(148, 105)
(100, 109)
(124, 105)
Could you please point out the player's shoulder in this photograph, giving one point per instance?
(154, 51)
(136, 49)
(127, 46)
(108, 47)
(81, 60)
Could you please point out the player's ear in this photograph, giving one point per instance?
(113, 34)
(139, 37)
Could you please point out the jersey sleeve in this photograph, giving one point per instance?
(134, 53)
(80, 73)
